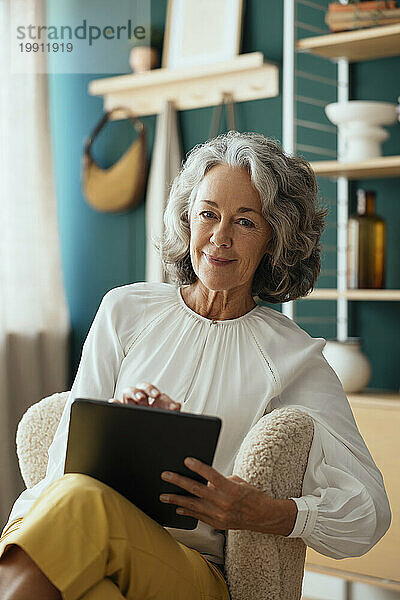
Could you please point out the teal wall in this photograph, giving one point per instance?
(99, 251)
(102, 251)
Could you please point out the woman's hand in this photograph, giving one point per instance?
(230, 502)
(146, 394)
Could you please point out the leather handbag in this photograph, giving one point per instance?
(121, 186)
(227, 101)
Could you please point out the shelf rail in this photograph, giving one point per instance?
(342, 212)
(288, 97)
(293, 79)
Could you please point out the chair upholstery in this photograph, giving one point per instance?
(273, 457)
(35, 432)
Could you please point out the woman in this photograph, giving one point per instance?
(241, 222)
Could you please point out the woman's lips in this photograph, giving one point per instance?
(217, 263)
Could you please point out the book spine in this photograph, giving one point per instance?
(370, 14)
(367, 5)
(361, 24)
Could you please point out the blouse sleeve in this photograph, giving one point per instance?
(344, 510)
(337, 515)
(101, 357)
(102, 354)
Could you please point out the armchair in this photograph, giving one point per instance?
(273, 457)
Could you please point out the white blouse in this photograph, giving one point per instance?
(236, 369)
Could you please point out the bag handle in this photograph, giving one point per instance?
(227, 101)
(138, 125)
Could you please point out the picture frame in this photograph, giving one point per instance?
(201, 32)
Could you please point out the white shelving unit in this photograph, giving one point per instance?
(377, 412)
(342, 48)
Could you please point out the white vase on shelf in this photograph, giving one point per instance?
(349, 363)
(360, 123)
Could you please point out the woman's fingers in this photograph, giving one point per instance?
(146, 394)
(151, 391)
(132, 395)
(135, 395)
(160, 400)
(164, 401)
(125, 400)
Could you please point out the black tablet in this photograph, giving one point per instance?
(128, 447)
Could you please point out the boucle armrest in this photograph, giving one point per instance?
(273, 457)
(35, 433)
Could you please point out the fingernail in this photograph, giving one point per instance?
(138, 395)
(172, 405)
(154, 393)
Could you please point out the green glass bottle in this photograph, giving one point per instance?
(366, 245)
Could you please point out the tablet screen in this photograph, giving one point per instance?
(128, 447)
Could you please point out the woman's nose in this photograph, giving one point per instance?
(221, 235)
(220, 240)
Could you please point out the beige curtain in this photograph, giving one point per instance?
(165, 164)
(34, 320)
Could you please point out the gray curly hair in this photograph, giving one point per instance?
(288, 191)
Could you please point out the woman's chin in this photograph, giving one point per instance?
(217, 282)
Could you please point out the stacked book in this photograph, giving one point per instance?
(357, 15)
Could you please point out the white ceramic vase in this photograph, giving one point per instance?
(360, 124)
(349, 363)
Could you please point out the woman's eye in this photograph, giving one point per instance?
(247, 222)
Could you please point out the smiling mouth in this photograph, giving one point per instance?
(214, 261)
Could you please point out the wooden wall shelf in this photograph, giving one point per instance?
(381, 166)
(334, 294)
(246, 77)
(360, 44)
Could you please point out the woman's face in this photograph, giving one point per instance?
(226, 222)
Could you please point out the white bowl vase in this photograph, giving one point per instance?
(349, 363)
(360, 123)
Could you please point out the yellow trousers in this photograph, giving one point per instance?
(94, 544)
